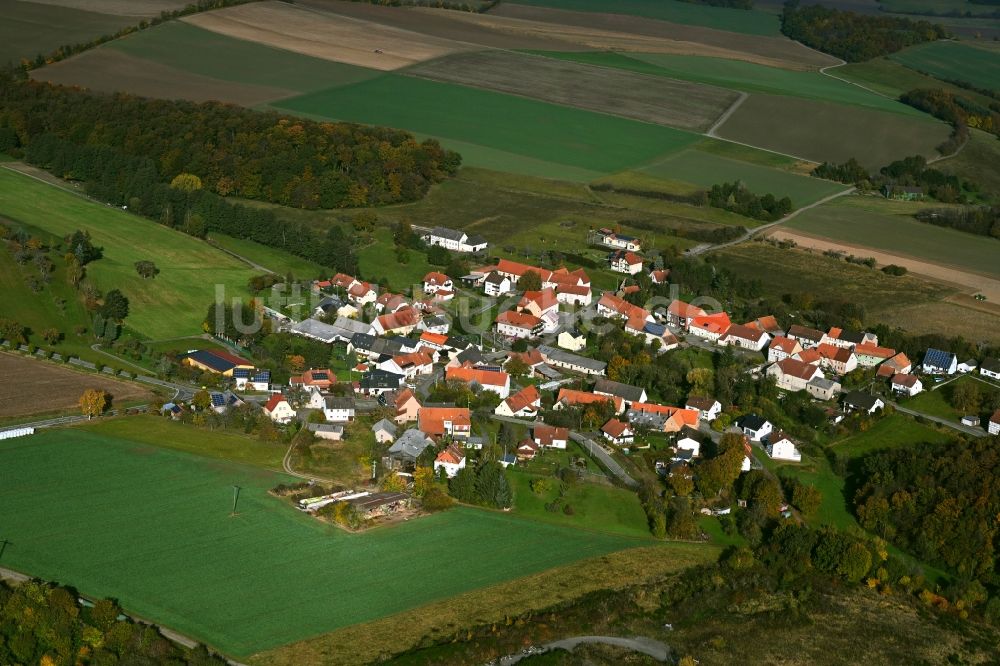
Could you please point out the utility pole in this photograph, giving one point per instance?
(3, 546)
(236, 498)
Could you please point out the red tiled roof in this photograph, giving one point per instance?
(274, 401)
(436, 278)
(745, 332)
(798, 369)
(713, 323)
(767, 323)
(546, 434)
(680, 416)
(431, 419)
(622, 307)
(399, 319)
(518, 319)
(874, 350)
(404, 396)
(809, 356)
(574, 397)
(523, 398)
(433, 338)
(909, 381)
(684, 310)
(453, 454)
(615, 428)
(834, 353)
(481, 377)
(786, 345)
(226, 356)
(544, 299)
(660, 276)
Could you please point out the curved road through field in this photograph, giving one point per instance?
(648, 646)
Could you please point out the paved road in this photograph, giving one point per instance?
(592, 447)
(654, 648)
(968, 430)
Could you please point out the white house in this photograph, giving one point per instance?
(525, 403)
(455, 240)
(489, 380)
(862, 402)
(572, 340)
(791, 374)
(990, 368)
(623, 261)
(755, 427)
(937, 362)
(907, 384)
(967, 366)
(618, 241)
(781, 447)
(744, 337)
(710, 327)
(278, 409)
(338, 410)
(497, 284)
(450, 460)
(689, 444)
(782, 348)
(708, 408)
(435, 282)
(385, 431)
(513, 324)
(618, 432)
(994, 425)
(550, 436)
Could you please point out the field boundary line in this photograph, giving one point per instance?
(725, 114)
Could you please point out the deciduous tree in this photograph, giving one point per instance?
(93, 402)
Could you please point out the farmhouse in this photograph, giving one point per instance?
(769, 324)
(373, 347)
(252, 380)
(330, 431)
(652, 332)
(807, 337)
(216, 361)
(519, 325)
(793, 375)
(781, 447)
(440, 421)
(542, 304)
(573, 340)
(840, 360)
(623, 261)
(524, 403)
(567, 361)
(450, 460)
(659, 276)
(338, 410)
(385, 431)
(680, 313)
(549, 436)
(990, 368)
(755, 427)
(377, 382)
(609, 238)
(401, 322)
(278, 409)
(618, 432)
(454, 240)
(689, 444)
(662, 417)
(822, 388)
(573, 398)
(709, 327)
(314, 378)
(407, 448)
(782, 348)
(435, 282)
(526, 450)
(627, 393)
(937, 362)
(498, 382)
(871, 355)
(389, 302)
(610, 305)
(407, 406)
(708, 408)
(967, 365)
(907, 385)
(745, 337)
(497, 284)
(898, 364)
(858, 401)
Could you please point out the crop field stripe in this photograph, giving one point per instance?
(721, 18)
(193, 49)
(189, 268)
(954, 61)
(705, 169)
(621, 93)
(29, 29)
(540, 130)
(152, 528)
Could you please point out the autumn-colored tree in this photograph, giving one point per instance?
(93, 402)
(51, 335)
(966, 397)
(720, 471)
(296, 362)
(701, 381)
(12, 331)
(423, 480)
(202, 400)
(682, 481)
(516, 367)
(618, 368)
(806, 499)
(186, 182)
(394, 483)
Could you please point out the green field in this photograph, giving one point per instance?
(938, 402)
(825, 131)
(932, 7)
(893, 79)
(889, 432)
(954, 61)
(739, 75)
(378, 260)
(721, 18)
(152, 528)
(192, 49)
(975, 163)
(706, 169)
(270, 258)
(170, 305)
(537, 130)
(29, 28)
(888, 225)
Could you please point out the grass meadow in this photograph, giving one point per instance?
(890, 432)
(954, 61)
(152, 527)
(975, 163)
(889, 226)
(171, 304)
(892, 78)
(706, 169)
(739, 75)
(270, 258)
(720, 18)
(537, 130)
(29, 28)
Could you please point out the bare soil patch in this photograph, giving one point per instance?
(38, 387)
(640, 96)
(685, 39)
(325, 35)
(110, 70)
(972, 283)
(442, 23)
(138, 8)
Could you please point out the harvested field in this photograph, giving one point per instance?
(824, 131)
(777, 51)
(44, 387)
(631, 95)
(325, 35)
(28, 29)
(202, 52)
(138, 8)
(111, 70)
(971, 283)
(953, 315)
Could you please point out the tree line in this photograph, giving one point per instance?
(231, 150)
(737, 198)
(958, 110)
(979, 220)
(854, 37)
(909, 171)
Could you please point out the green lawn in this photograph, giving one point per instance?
(378, 260)
(889, 226)
(712, 527)
(749, 22)
(29, 28)
(954, 61)
(164, 432)
(739, 75)
(939, 402)
(152, 528)
(595, 506)
(816, 472)
(271, 258)
(537, 130)
(976, 163)
(192, 49)
(706, 169)
(893, 79)
(890, 432)
(170, 305)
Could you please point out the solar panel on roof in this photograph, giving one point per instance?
(241, 373)
(218, 400)
(320, 375)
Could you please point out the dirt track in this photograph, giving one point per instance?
(972, 283)
(43, 387)
(325, 35)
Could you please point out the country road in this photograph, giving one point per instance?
(964, 429)
(648, 646)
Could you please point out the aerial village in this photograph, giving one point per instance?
(530, 385)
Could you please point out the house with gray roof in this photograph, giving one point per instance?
(408, 447)
(385, 431)
(626, 392)
(563, 359)
(455, 240)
